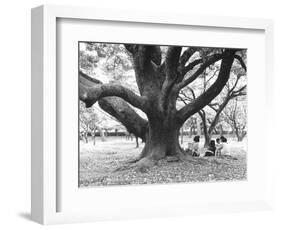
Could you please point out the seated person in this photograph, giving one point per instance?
(194, 146)
(219, 147)
(224, 149)
(211, 149)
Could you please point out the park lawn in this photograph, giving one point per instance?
(97, 165)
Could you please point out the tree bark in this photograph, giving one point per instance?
(162, 141)
(207, 140)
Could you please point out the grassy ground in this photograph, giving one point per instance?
(97, 163)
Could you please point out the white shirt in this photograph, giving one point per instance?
(225, 149)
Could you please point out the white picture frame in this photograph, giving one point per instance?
(45, 163)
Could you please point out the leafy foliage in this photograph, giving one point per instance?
(111, 59)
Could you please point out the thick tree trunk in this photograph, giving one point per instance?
(207, 134)
(162, 141)
(207, 139)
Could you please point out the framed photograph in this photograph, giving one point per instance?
(149, 114)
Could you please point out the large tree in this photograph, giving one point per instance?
(160, 75)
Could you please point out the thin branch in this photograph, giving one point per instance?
(213, 108)
(187, 54)
(213, 59)
(240, 91)
(242, 63)
(214, 74)
(183, 100)
(192, 92)
(190, 66)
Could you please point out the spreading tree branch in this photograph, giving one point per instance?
(172, 61)
(123, 112)
(211, 60)
(119, 109)
(90, 94)
(171, 66)
(239, 92)
(147, 63)
(187, 54)
(190, 66)
(242, 63)
(214, 90)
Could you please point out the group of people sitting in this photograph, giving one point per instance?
(214, 148)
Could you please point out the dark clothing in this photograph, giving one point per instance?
(195, 154)
(210, 151)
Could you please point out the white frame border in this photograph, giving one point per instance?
(43, 114)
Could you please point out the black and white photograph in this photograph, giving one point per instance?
(159, 114)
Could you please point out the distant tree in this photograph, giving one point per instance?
(137, 141)
(236, 116)
(88, 122)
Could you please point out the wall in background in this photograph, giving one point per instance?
(15, 111)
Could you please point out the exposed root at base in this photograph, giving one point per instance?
(123, 167)
(132, 161)
(144, 163)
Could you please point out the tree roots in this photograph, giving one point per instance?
(144, 163)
